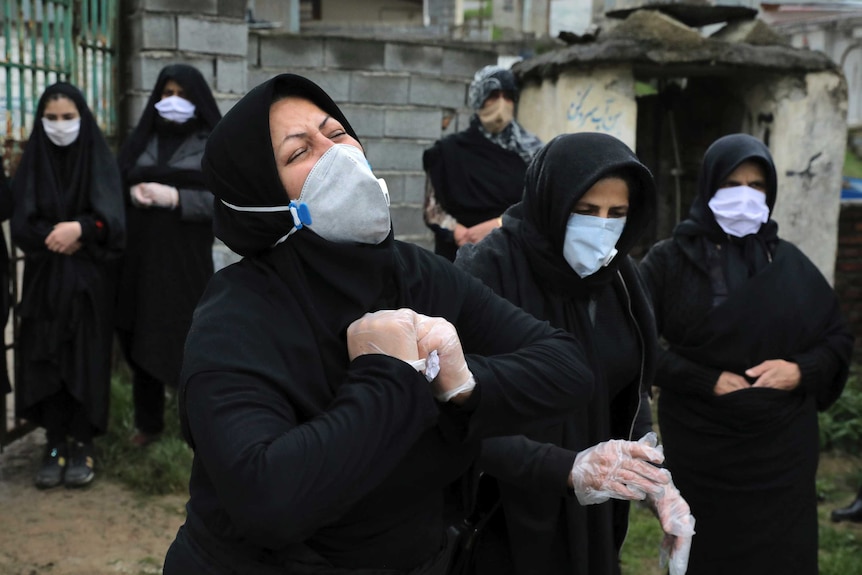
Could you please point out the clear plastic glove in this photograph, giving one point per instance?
(389, 332)
(455, 378)
(619, 469)
(677, 522)
(136, 193)
(161, 195)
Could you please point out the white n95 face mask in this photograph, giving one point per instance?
(590, 242)
(175, 109)
(62, 132)
(341, 200)
(740, 210)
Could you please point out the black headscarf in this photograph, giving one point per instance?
(560, 174)
(54, 184)
(721, 158)
(207, 115)
(239, 168)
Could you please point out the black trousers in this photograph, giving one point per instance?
(62, 416)
(148, 392)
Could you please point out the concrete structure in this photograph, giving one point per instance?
(669, 92)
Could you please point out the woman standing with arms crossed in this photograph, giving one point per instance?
(68, 219)
(756, 346)
(562, 255)
(169, 257)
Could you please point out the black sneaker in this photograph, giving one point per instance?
(53, 466)
(81, 463)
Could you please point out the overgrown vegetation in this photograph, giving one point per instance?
(852, 164)
(484, 11)
(841, 425)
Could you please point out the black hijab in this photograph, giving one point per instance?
(560, 174)
(207, 115)
(334, 283)
(721, 158)
(55, 184)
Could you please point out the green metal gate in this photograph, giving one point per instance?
(45, 41)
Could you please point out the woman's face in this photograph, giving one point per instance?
(607, 198)
(749, 174)
(172, 88)
(301, 133)
(60, 109)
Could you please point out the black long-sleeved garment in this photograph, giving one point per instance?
(289, 462)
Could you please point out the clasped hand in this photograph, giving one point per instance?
(772, 373)
(152, 194)
(64, 238)
(409, 336)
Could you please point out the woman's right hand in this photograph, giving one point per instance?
(729, 382)
(389, 332)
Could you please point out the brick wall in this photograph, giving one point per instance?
(848, 268)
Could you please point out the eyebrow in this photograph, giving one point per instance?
(302, 134)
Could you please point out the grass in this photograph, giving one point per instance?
(852, 164)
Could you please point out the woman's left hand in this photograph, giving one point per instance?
(477, 233)
(63, 239)
(775, 373)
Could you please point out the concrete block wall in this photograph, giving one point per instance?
(395, 93)
(848, 268)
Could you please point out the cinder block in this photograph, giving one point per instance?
(395, 155)
(225, 103)
(147, 65)
(231, 75)
(336, 83)
(444, 93)
(414, 188)
(212, 36)
(465, 63)
(349, 54)
(152, 31)
(420, 123)
(184, 7)
(367, 121)
(413, 58)
(232, 8)
(257, 76)
(407, 221)
(253, 51)
(379, 88)
(287, 51)
(395, 185)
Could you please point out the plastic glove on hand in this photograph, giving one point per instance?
(454, 378)
(161, 195)
(618, 469)
(139, 199)
(678, 525)
(389, 332)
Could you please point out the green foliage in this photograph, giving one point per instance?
(840, 550)
(841, 424)
(483, 12)
(852, 164)
(640, 552)
(161, 468)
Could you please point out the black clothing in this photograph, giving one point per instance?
(169, 257)
(474, 180)
(5, 283)
(66, 306)
(745, 461)
(548, 531)
(308, 461)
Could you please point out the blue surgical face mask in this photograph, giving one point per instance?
(590, 242)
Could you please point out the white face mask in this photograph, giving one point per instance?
(740, 211)
(590, 242)
(341, 200)
(175, 109)
(62, 132)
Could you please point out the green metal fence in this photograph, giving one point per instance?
(45, 41)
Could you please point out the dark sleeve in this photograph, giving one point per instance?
(825, 366)
(195, 205)
(92, 229)
(280, 481)
(643, 418)
(530, 373)
(528, 464)
(672, 370)
(6, 202)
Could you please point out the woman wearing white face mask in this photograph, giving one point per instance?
(169, 256)
(68, 218)
(562, 255)
(756, 345)
(475, 174)
(319, 448)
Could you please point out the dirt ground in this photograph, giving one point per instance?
(99, 530)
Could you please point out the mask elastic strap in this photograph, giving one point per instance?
(299, 211)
